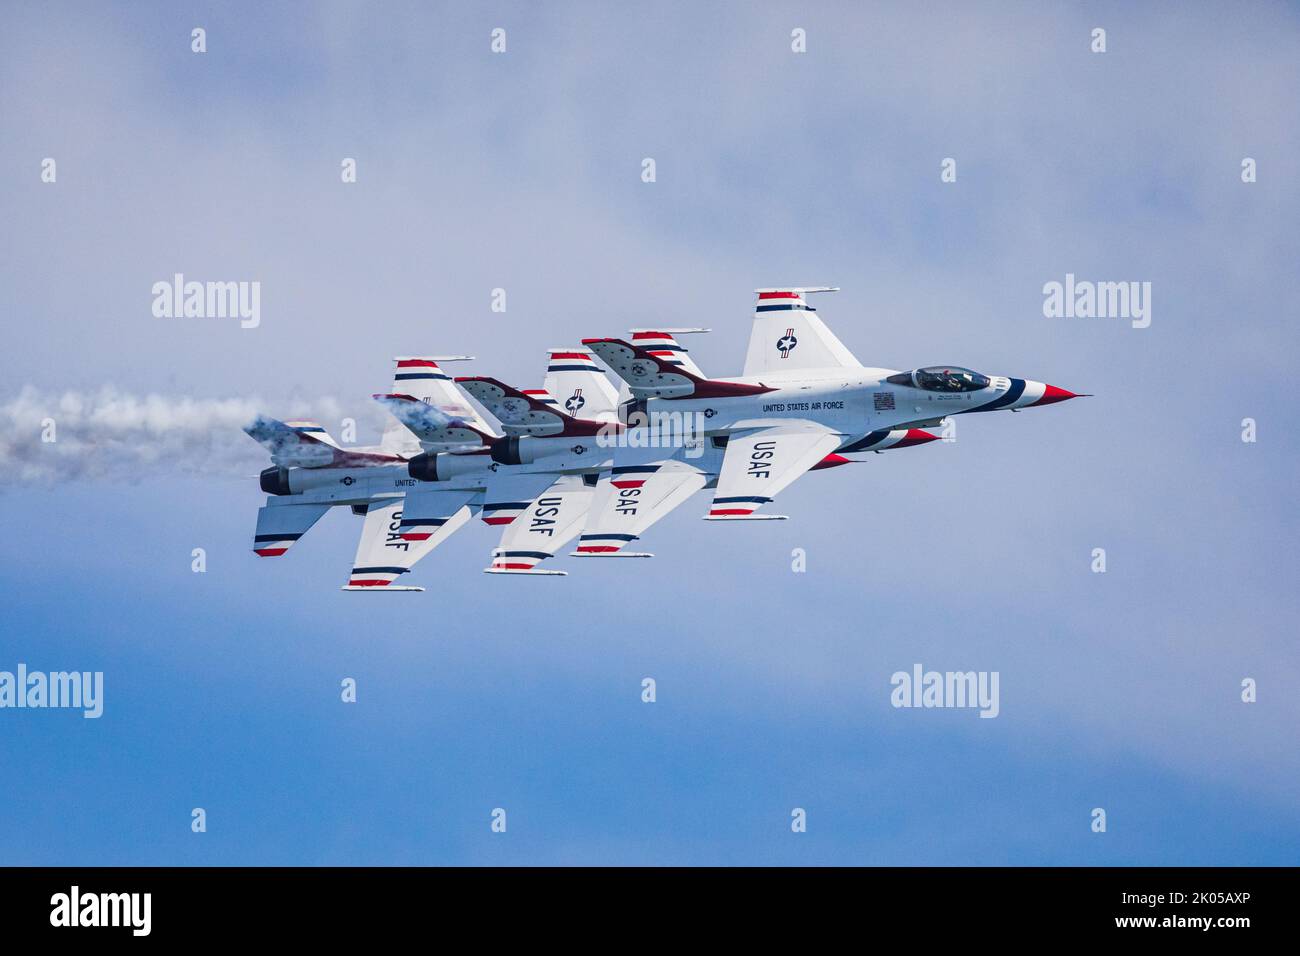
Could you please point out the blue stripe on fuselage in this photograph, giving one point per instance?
(1010, 398)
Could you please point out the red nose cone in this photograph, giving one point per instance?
(1053, 394)
(915, 436)
(831, 461)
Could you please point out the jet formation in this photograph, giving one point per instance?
(585, 458)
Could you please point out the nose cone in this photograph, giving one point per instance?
(1051, 395)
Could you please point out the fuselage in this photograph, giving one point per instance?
(862, 404)
(856, 402)
(468, 470)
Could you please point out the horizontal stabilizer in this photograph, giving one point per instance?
(524, 414)
(279, 526)
(650, 376)
(436, 429)
(422, 378)
(295, 447)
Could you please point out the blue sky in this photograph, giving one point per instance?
(521, 171)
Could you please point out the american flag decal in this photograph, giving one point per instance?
(884, 401)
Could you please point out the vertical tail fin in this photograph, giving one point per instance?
(788, 335)
(315, 430)
(421, 377)
(660, 342)
(543, 396)
(579, 386)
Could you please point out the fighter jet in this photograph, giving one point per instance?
(644, 484)
(588, 491)
(802, 397)
(440, 463)
(311, 473)
(535, 480)
(577, 457)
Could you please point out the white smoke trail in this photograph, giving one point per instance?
(115, 435)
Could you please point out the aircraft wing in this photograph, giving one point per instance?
(384, 553)
(436, 429)
(547, 524)
(764, 458)
(508, 494)
(432, 514)
(642, 487)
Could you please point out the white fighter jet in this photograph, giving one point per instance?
(644, 484)
(577, 456)
(311, 473)
(440, 463)
(535, 480)
(803, 402)
(552, 470)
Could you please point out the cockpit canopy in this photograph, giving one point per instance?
(942, 378)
